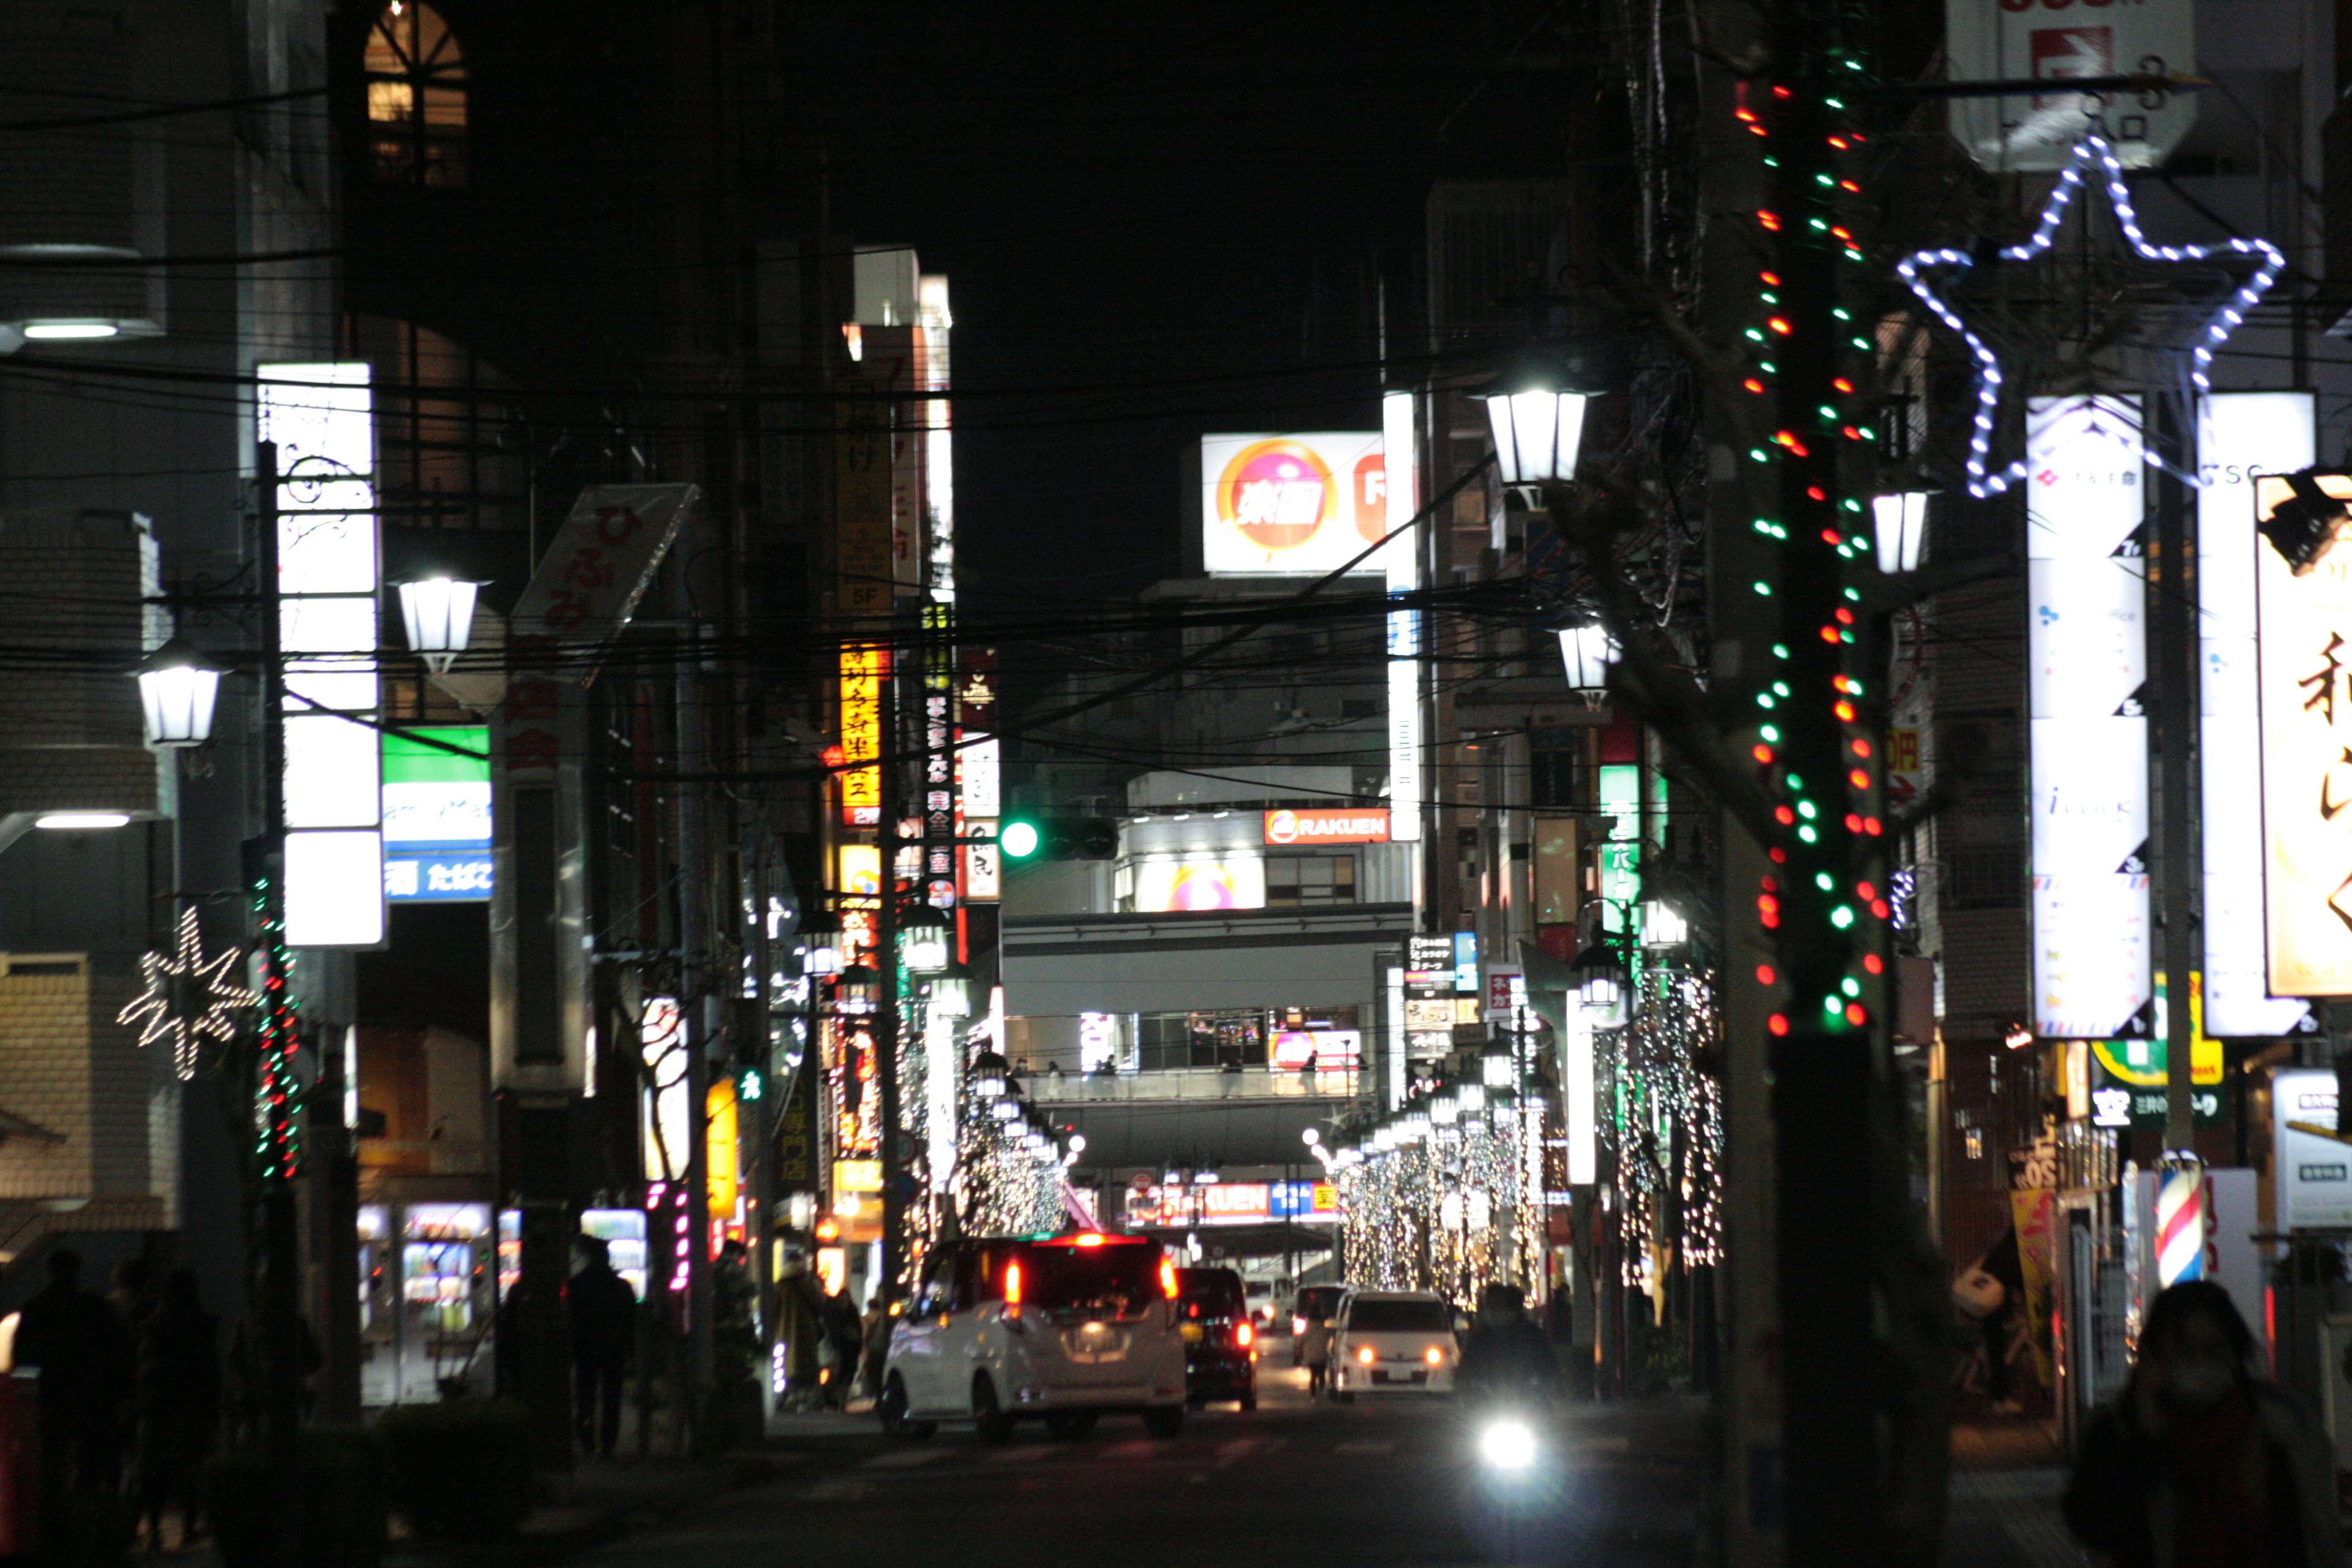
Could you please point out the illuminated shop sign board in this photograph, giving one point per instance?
(2087, 649)
(861, 671)
(1287, 504)
(436, 817)
(2304, 626)
(1344, 825)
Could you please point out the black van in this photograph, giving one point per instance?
(1219, 1341)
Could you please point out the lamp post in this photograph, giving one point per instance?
(1899, 527)
(178, 688)
(1536, 420)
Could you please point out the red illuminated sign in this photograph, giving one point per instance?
(1341, 825)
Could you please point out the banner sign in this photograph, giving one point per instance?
(2305, 642)
(2087, 658)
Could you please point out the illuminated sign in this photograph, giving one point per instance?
(436, 817)
(2238, 435)
(2016, 41)
(322, 419)
(1281, 504)
(856, 1176)
(2086, 652)
(1290, 1051)
(2314, 1173)
(719, 1128)
(1344, 825)
(661, 1047)
(2304, 644)
(1225, 882)
(861, 671)
(1402, 562)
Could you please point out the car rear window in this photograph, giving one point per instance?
(1400, 1317)
(1121, 1278)
(1213, 1290)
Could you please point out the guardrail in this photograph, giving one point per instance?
(1191, 1083)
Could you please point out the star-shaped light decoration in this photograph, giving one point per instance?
(1984, 480)
(187, 997)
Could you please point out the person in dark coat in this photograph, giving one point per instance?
(84, 1353)
(1504, 1352)
(604, 1337)
(2199, 1464)
(178, 1404)
(844, 1337)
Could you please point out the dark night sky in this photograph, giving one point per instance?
(1126, 197)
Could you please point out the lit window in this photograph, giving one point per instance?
(416, 97)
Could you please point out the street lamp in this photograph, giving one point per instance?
(950, 993)
(857, 989)
(1600, 981)
(988, 1075)
(177, 689)
(818, 941)
(1585, 654)
(1538, 427)
(1496, 1070)
(924, 942)
(1900, 523)
(439, 614)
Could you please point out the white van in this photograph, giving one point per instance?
(1063, 1330)
(1393, 1341)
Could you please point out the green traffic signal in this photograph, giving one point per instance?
(1020, 839)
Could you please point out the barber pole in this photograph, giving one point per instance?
(2181, 1223)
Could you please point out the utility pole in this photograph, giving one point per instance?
(697, 995)
(278, 1097)
(887, 1019)
(2171, 658)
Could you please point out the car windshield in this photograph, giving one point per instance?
(1400, 1317)
(1119, 1280)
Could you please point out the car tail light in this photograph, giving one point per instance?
(1013, 1284)
(1167, 1276)
(1243, 1334)
(1365, 1356)
(1433, 1356)
(1297, 1327)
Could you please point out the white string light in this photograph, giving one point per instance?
(1982, 480)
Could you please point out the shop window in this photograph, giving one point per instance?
(1165, 1041)
(415, 97)
(1305, 880)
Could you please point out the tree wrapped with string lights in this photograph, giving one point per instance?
(1008, 1175)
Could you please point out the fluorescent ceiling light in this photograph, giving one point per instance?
(69, 331)
(68, 819)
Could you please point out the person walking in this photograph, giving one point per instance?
(2198, 1463)
(604, 1337)
(85, 1356)
(843, 1333)
(177, 1401)
(1505, 1355)
(799, 1326)
(1315, 1350)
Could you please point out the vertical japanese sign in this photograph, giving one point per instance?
(938, 817)
(862, 494)
(979, 797)
(1401, 560)
(2088, 658)
(322, 419)
(2238, 435)
(863, 669)
(2305, 631)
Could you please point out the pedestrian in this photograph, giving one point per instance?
(1315, 1350)
(839, 1352)
(85, 1356)
(178, 1404)
(2198, 1463)
(1504, 1353)
(800, 1328)
(603, 1338)
(875, 1347)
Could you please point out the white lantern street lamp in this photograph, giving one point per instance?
(1473, 1097)
(1585, 654)
(951, 995)
(1900, 523)
(1536, 432)
(923, 941)
(1442, 1109)
(439, 614)
(1496, 1070)
(988, 1075)
(178, 689)
(1599, 986)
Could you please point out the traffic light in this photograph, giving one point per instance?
(1043, 838)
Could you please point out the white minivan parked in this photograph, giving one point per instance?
(1063, 1330)
(1393, 1341)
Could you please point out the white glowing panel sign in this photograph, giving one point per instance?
(666, 1129)
(2304, 648)
(1402, 560)
(322, 419)
(1579, 1101)
(2239, 435)
(2086, 653)
(1291, 504)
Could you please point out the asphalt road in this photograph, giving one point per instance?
(1292, 1485)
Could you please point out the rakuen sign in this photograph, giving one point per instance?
(1336, 825)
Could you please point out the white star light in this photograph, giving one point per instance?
(1982, 480)
(187, 996)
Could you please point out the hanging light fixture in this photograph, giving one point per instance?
(178, 687)
(1538, 425)
(439, 616)
(1585, 654)
(925, 942)
(1900, 523)
(988, 1075)
(1600, 981)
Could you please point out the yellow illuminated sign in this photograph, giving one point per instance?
(718, 1147)
(856, 1176)
(861, 670)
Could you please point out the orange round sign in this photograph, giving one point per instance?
(1277, 494)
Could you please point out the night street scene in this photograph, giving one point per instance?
(1186, 785)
